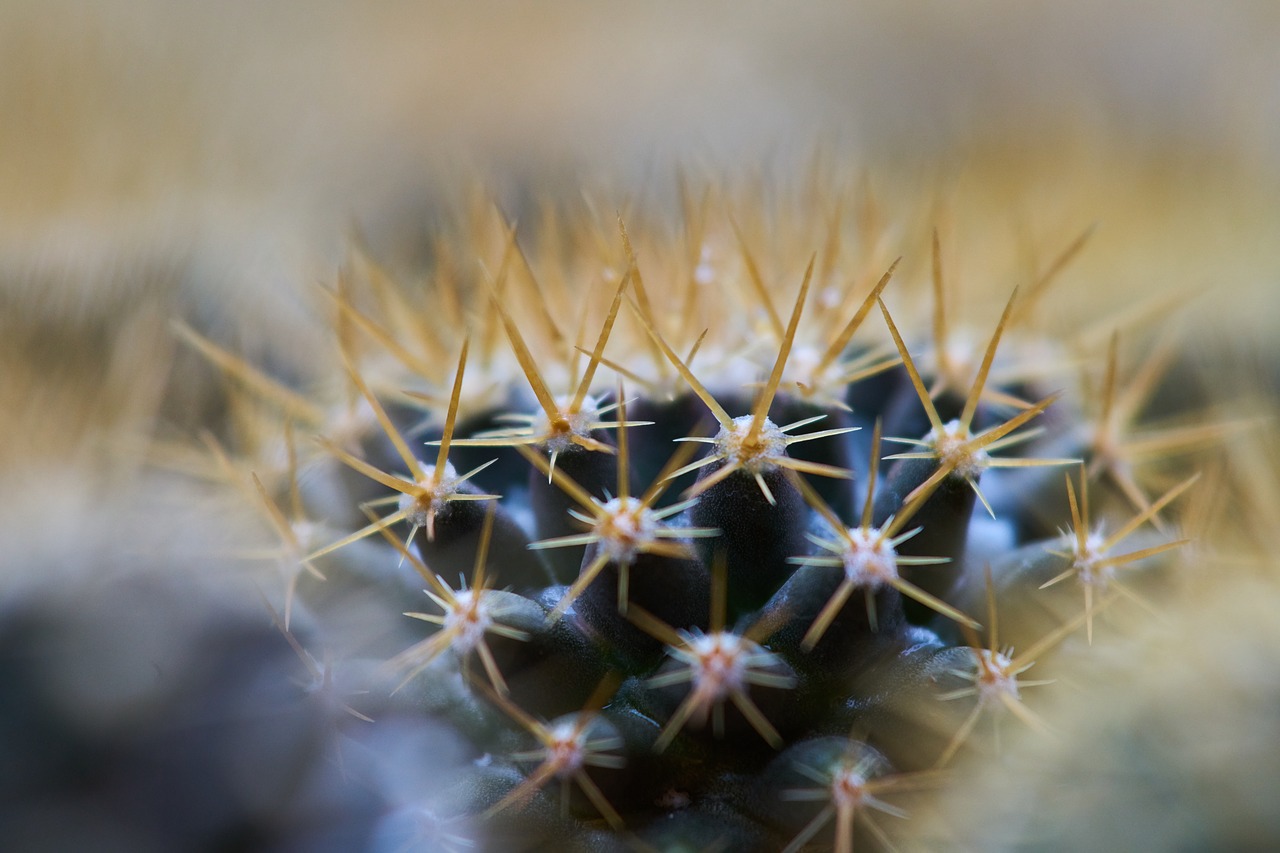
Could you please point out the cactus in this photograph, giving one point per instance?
(681, 596)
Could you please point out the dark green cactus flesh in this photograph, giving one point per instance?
(748, 588)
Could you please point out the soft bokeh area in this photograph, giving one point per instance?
(215, 162)
(232, 146)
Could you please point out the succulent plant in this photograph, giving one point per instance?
(669, 586)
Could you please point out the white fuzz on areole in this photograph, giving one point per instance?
(566, 748)
(995, 677)
(625, 528)
(309, 534)
(759, 457)
(720, 661)
(952, 448)
(870, 560)
(1088, 562)
(559, 436)
(848, 788)
(433, 499)
(468, 618)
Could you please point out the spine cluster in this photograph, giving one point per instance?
(732, 539)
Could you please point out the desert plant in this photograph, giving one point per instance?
(775, 645)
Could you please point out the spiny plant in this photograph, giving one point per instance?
(769, 643)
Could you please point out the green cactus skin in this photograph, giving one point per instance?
(729, 675)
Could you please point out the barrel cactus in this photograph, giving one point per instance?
(721, 536)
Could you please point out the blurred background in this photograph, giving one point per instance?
(212, 161)
(235, 145)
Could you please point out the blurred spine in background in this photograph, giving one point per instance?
(163, 162)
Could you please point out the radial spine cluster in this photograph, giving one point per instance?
(693, 603)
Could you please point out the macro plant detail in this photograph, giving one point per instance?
(693, 658)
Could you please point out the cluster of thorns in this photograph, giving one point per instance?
(721, 666)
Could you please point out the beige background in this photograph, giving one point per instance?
(209, 159)
(226, 148)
